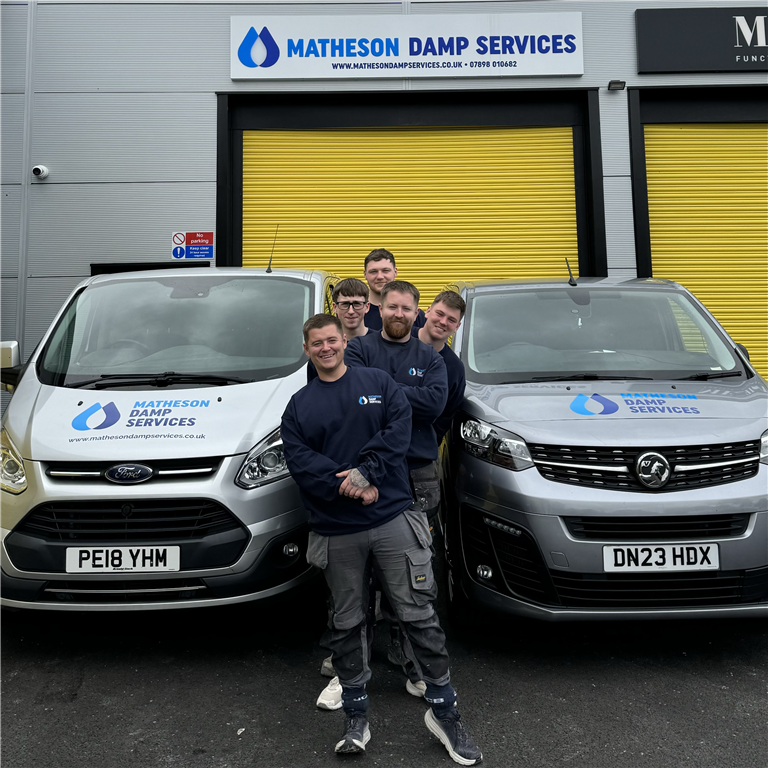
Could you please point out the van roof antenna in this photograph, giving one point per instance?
(269, 266)
(571, 280)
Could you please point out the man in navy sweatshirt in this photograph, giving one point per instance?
(444, 317)
(379, 269)
(343, 435)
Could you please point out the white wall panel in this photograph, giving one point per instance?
(11, 125)
(13, 47)
(619, 226)
(45, 295)
(74, 225)
(10, 211)
(125, 137)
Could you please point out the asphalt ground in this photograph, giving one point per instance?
(236, 687)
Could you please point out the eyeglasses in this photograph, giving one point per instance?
(347, 305)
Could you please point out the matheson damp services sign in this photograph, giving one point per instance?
(728, 39)
(328, 47)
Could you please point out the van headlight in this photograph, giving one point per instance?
(495, 445)
(264, 464)
(13, 478)
(764, 448)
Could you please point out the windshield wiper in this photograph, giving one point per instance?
(158, 379)
(710, 375)
(590, 377)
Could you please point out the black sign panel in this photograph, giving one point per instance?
(702, 39)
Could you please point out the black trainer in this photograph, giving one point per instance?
(450, 730)
(356, 735)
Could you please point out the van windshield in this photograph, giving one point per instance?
(244, 328)
(539, 334)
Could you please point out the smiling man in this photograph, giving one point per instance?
(379, 269)
(343, 435)
(443, 320)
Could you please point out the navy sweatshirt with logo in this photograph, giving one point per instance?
(457, 383)
(420, 372)
(360, 421)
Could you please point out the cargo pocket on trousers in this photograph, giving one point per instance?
(420, 525)
(317, 550)
(422, 578)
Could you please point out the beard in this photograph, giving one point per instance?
(396, 329)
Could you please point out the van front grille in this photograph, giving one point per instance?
(657, 528)
(128, 520)
(693, 466)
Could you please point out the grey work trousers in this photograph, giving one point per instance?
(401, 557)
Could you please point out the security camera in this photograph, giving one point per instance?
(40, 171)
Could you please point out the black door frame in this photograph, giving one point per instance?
(576, 108)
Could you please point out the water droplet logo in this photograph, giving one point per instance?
(111, 416)
(363, 400)
(579, 405)
(412, 371)
(245, 51)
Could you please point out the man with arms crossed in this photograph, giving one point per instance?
(343, 435)
(379, 269)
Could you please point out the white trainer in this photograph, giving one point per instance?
(330, 698)
(419, 688)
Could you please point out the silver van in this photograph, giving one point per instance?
(142, 466)
(611, 457)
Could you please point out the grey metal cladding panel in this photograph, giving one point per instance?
(12, 128)
(9, 296)
(45, 295)
(75, 225)
(10, 212)
(100, 137)
(614, 132)
(13, 47)
(619, 224)
(148, 47)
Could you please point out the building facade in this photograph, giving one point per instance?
(472, 139)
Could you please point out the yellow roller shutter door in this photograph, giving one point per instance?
(449, 203)
(708, 208)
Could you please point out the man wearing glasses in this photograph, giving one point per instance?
(350, 305)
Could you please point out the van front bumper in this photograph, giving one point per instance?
(259, 551)
(513, 547)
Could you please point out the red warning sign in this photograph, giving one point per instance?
(199, 238)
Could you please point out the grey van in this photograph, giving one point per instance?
(611, 457)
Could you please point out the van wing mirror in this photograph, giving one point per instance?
(10, 364)
(743, 350)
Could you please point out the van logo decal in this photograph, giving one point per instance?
(245, 51)
(129, 474)
(579, 405)
(111, 416)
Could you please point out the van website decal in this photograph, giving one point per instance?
(636, 402)
(144, 414)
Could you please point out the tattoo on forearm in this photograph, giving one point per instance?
(357, 480)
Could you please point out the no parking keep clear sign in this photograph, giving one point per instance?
(191, 245)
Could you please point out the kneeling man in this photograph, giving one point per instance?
(343, 437)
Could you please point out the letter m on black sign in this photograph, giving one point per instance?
(747, 33)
